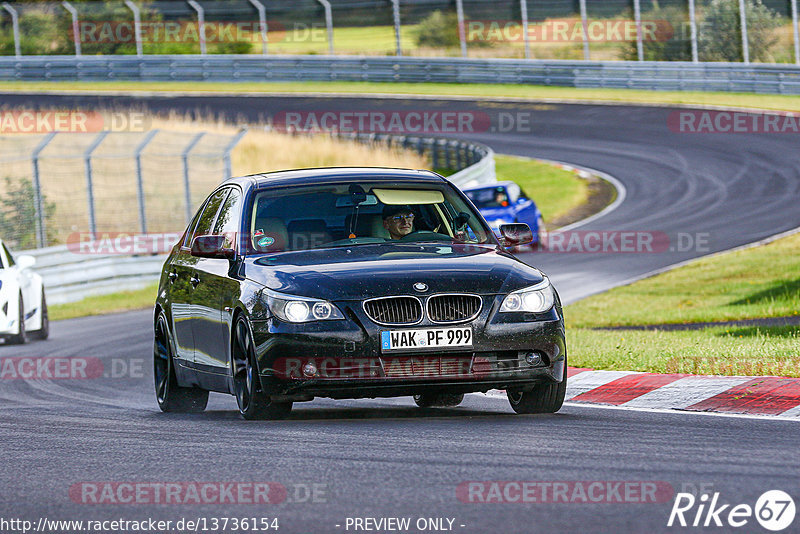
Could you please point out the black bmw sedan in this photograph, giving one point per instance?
(352, 283)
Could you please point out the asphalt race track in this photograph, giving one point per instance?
(386, 458)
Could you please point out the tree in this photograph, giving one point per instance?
(720, 36)
(18, 214)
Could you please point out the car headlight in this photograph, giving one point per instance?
(535, 299)
(293, 309)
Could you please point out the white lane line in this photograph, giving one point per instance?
(686, 391)
(588, 380)
(781, 417)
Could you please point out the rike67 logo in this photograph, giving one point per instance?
(774, 510)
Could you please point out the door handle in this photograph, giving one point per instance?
(194, 281)
(172, 276)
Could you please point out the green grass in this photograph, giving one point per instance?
(372, 40)
(103, 304)
(554, 190)
(740, 351)
(533, 92)
(746, 284)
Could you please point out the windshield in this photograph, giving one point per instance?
(361, 213)
(489, 197)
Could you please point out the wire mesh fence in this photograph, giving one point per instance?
(58, 187)
(764, 31)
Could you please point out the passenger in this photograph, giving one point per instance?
(398, 221)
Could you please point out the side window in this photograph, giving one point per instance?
(207, 218)
(229, 218)
(9, 257)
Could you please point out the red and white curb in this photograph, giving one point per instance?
(742, 395)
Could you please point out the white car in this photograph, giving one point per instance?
(23, 308)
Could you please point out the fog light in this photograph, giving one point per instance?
(310, 369)
(533, 358)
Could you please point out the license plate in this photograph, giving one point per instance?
(429, 338)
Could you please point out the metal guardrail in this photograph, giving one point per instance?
(733, 77)
(70, 276)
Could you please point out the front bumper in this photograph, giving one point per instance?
(350, 364)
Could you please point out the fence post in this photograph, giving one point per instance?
(796, 33)
(15, 25)
(523, 6)
(693, 29)
(87, 160)
(38, 205)
(201, 24)
(462, 34)
(328, 23)
(76, 37)
(637, 16)
(226, 158)
(137, 25)
(745, 43)
(140, 181)
(186, 187)
(585, 23)
(396, 12)
(262, 19)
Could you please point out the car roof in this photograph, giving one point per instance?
(337, 175)
(504, 183)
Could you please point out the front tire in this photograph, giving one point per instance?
(21, 337)
(170, 396)
(443, 400)
(253, 403)
(546, 397)
(44, 331)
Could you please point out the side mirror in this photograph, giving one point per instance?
(515, 234)
(212, 246)
(26, 262)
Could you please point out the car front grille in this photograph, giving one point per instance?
(394, 310)
(453, 308)
(428, 366)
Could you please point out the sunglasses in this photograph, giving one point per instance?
(398, 218)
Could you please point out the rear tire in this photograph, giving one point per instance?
(21, 337)
(546, 397)
(44, 331)
(170, 396)
(443, 400)
(253, 403)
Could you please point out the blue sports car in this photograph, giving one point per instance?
(505, 203)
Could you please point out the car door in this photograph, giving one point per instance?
(24, 278)
(525, 208)
(216, 292)
(182, 274)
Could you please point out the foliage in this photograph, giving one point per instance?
(720, 38)
(18, 215)
(438, 30)
(677, 48)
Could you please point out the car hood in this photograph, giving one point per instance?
(366, 271)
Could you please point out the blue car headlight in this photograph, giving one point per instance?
(294, 309)
(535, 299)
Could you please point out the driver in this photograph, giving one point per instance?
(398, 221)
